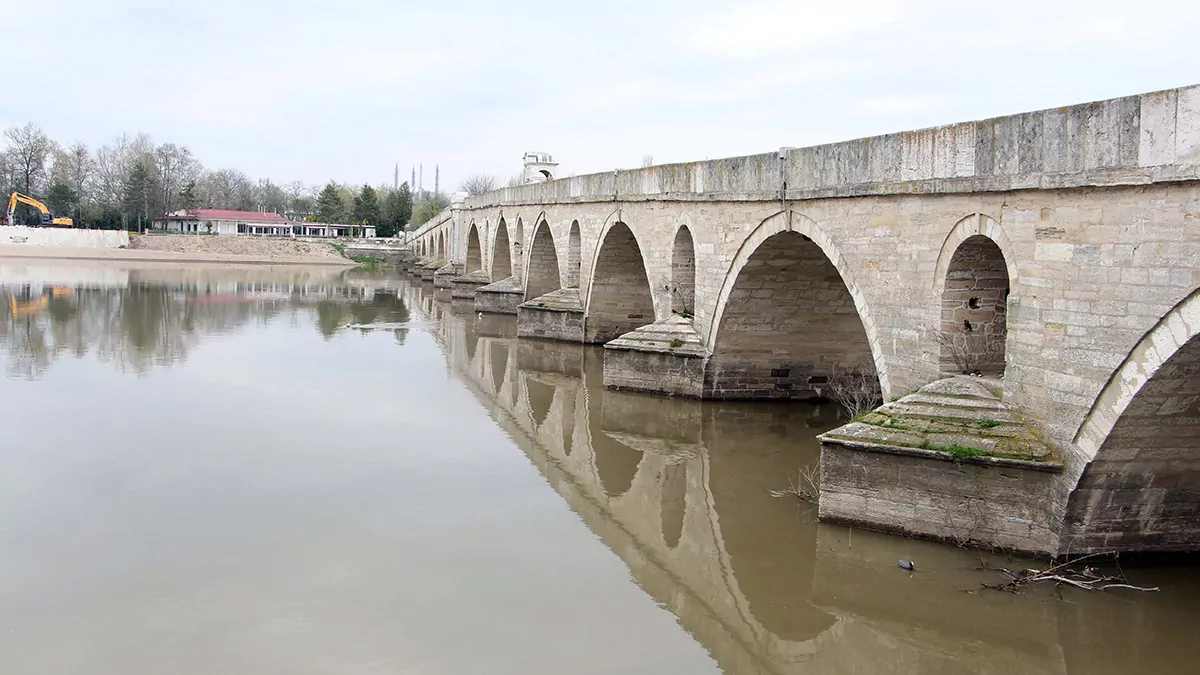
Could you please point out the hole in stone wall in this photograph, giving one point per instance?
(818, 379)
(781, 372)
(973, 303)
(967, 326)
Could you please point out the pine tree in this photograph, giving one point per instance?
(366, 207)
(187, 198)
(401, 210)
(330, 207)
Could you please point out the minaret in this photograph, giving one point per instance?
(412, 182)
(396, 177)
(437, 173)
(421, 179)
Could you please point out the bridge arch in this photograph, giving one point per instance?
(501, 253)
(619, 297)
(574, 255)
(1141, 489)
(542, 274)
(973, 279)
(683, 273)
(789, 317)
(474, 261)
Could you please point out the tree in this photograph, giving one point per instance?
(176, 168)
(270, 197)
(60, 198)
(366, 207)
(139, 193)
(187, 196)
(80, 168)
(28, 149)
(479, 184)
(330, 207)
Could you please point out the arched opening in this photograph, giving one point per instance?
(474, 250)
(620, 292)
(501, 255)
(574, 255)
(789, 327)
(441, 247)
(1142, 490)
(974, 302)
(673, 503)
(683, 274)
(543, 264)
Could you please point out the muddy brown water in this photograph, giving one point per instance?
(285, 470)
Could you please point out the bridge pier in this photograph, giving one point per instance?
(464, 287)
(949, 462)
(425, 269)
(557, 315)
(502, 297)
(665, 357)
(444, 275)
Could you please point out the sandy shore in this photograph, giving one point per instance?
(184, 249)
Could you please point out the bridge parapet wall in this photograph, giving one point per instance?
(1134, 140)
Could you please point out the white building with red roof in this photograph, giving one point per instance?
(254, 223)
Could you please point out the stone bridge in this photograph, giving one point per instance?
(1054, 253)
(677, 495)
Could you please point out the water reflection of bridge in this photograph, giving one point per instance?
(679, 490)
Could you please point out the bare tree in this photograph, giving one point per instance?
(80, 168)
(855, 389)
(111, 170)
(647, 160)
(28, 149)
(176, 168)
(479, 184)
(516, 180)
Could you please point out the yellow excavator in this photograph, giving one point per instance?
(48, 218)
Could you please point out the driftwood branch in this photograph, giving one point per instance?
(1067, 573)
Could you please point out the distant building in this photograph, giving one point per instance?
(539, 167)
(260, 223)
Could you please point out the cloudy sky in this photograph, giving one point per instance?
(314, 90)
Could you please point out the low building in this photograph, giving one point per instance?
(260, 223)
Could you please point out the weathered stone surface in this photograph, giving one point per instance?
(444, 276)
(558, 315)
(665, 357)
(464, 287)
(891, 470)
(502, 297)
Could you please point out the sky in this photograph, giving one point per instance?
(313, 91)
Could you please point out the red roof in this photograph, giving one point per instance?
(244, 216)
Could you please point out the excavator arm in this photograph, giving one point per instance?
(47, 217)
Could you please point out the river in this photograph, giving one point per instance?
(299, 470)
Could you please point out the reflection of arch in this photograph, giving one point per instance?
(501, 255)
(541, 396)
(542, 274)
(474, 250)
(616, 464)
(811, 232)
(673, 502)
(499, 366)
(683, 272)
(619, 299)
(574, 255)
(1142, 487)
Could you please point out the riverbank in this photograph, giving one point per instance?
(193, 249)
